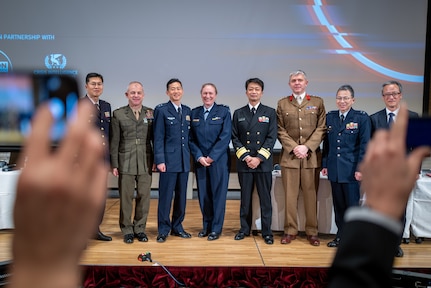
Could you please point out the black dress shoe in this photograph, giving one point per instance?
(334, 243)
(213, 236)
(128, 238)
(182, 234)
(161, 238)
(142, 237)
(400, 252)
(240, 235)
(203, 233)
(102, 237)
(269, 239)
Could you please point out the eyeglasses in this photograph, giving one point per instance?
(393, 94)
(345, 99)
(94, 84)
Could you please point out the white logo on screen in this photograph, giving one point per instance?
(55, 61)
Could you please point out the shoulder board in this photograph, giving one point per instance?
(147, 108)
(361, 112)
(160, 105)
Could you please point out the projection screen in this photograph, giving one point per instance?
(360, 42)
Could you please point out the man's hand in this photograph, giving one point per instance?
(301, 151)
(58, 200)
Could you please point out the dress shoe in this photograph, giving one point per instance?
(182, 234)
(142, 237)
(161, 238)
(213, 236)
(314, 240)
(334, 243)
(102, 237)
(203, 233)
(400, 252)
(128, 238)
(269, 239)
(287, 238)
(240, 235)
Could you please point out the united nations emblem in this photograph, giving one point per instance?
(55, 61)
(5, 63)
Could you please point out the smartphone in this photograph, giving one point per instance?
(22, 93)
(418, 132)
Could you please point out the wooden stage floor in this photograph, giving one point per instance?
(251, 252)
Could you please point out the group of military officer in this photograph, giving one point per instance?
(166, 135)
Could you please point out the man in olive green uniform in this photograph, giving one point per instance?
(132, 160)
(301, 128)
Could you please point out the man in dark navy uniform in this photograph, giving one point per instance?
(172, 159)
(209, 143)
(101, 117)
(348, 132)
(254, 132)
(392, 94)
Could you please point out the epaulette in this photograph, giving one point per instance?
(121, 108)
(147, 108)
(332, 112)
(362, 112)
(160, 105)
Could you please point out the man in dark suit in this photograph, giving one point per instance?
(172, 157)
(210, 135)
(348, 132)
(101, 117)
(132, 161)
(388, 177)
(254, 132)
(383, 119)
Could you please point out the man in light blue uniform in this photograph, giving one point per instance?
(209, 143)
(348, 132)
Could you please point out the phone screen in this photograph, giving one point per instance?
(20, 95)
(418, 132)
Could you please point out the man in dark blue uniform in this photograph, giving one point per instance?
(209, 143)
(254, 132)
(392, 93)
(348, 132)
(101, 117)
(172, 158)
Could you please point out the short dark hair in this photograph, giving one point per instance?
(347, 87)
(173, 80)
(92, 75)
(393, 82)
(254, 80)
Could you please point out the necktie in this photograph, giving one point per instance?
(391, 119)
(179, 112)
(299, 99)
(206, 114)
(341, 118)
(97, 106)
(137, 115)
(253, 111)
